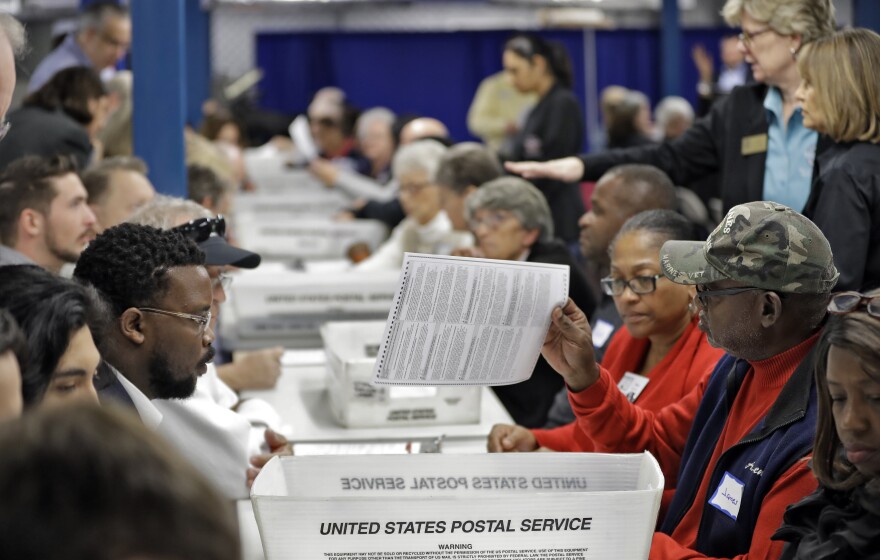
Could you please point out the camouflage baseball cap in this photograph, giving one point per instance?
(761, 244)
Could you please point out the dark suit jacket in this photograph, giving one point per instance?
(555, 129)
(845, 204)
(713, 144)
(110, 390)
(530, 401)
(36, 131)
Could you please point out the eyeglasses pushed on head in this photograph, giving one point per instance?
(850, 302)
(202, 228)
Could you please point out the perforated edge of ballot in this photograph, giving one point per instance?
(468, 321)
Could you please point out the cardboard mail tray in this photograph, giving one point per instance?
(253, 208)
(549, 506)
(312, 238)
(293, 294)
(357, 403)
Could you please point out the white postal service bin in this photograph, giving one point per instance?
(548, 506)
(351, 349)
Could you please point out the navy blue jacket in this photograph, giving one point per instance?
(784, 436)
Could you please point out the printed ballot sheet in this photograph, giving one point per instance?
(467, 321)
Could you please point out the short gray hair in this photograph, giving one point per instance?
(810, 19)
(14, 32)
(95, 15)
(165, 212)
(519, 197)
(671, 106)
(370, 116)
(423, 155)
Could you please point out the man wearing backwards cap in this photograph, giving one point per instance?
(763, 279)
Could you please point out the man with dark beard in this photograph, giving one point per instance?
(159, 340)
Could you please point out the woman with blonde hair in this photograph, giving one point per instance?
(754, 138)
(840, 97)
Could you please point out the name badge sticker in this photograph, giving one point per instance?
(754, 144)
(728, 496)
(632, 385)
(601, 333)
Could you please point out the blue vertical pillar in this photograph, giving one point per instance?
(158, 54)
(866, 13)
(670, 49)
(198, 60)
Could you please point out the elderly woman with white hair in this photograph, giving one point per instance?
(511, 220)
(426, 228)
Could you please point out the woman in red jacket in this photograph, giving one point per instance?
(659, 355)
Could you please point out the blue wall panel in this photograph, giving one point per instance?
(436, 74)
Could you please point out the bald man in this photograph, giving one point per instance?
(421, 128)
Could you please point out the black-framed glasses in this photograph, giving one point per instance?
(704, 295)
(201, 229)
(850, 302)
(4, 129)
(639, 285)
(747, 38)
(201, 320)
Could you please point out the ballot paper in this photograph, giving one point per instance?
(467, 321)
(302, 137)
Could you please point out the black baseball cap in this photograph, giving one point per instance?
(209, 233)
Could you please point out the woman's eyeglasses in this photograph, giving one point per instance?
(639, 285)
(747, 38)
(850, 302)
(201, 229)
(492, 220)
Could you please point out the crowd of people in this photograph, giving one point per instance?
(739, 344)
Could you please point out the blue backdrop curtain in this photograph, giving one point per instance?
(436, 74)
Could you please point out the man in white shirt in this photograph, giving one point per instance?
(160, 341)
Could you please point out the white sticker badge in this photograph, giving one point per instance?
(632, 385)
(728, 495)
(601, 332)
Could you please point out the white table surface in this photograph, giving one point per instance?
(300, 397)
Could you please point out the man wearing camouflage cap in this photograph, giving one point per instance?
(733, 448)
